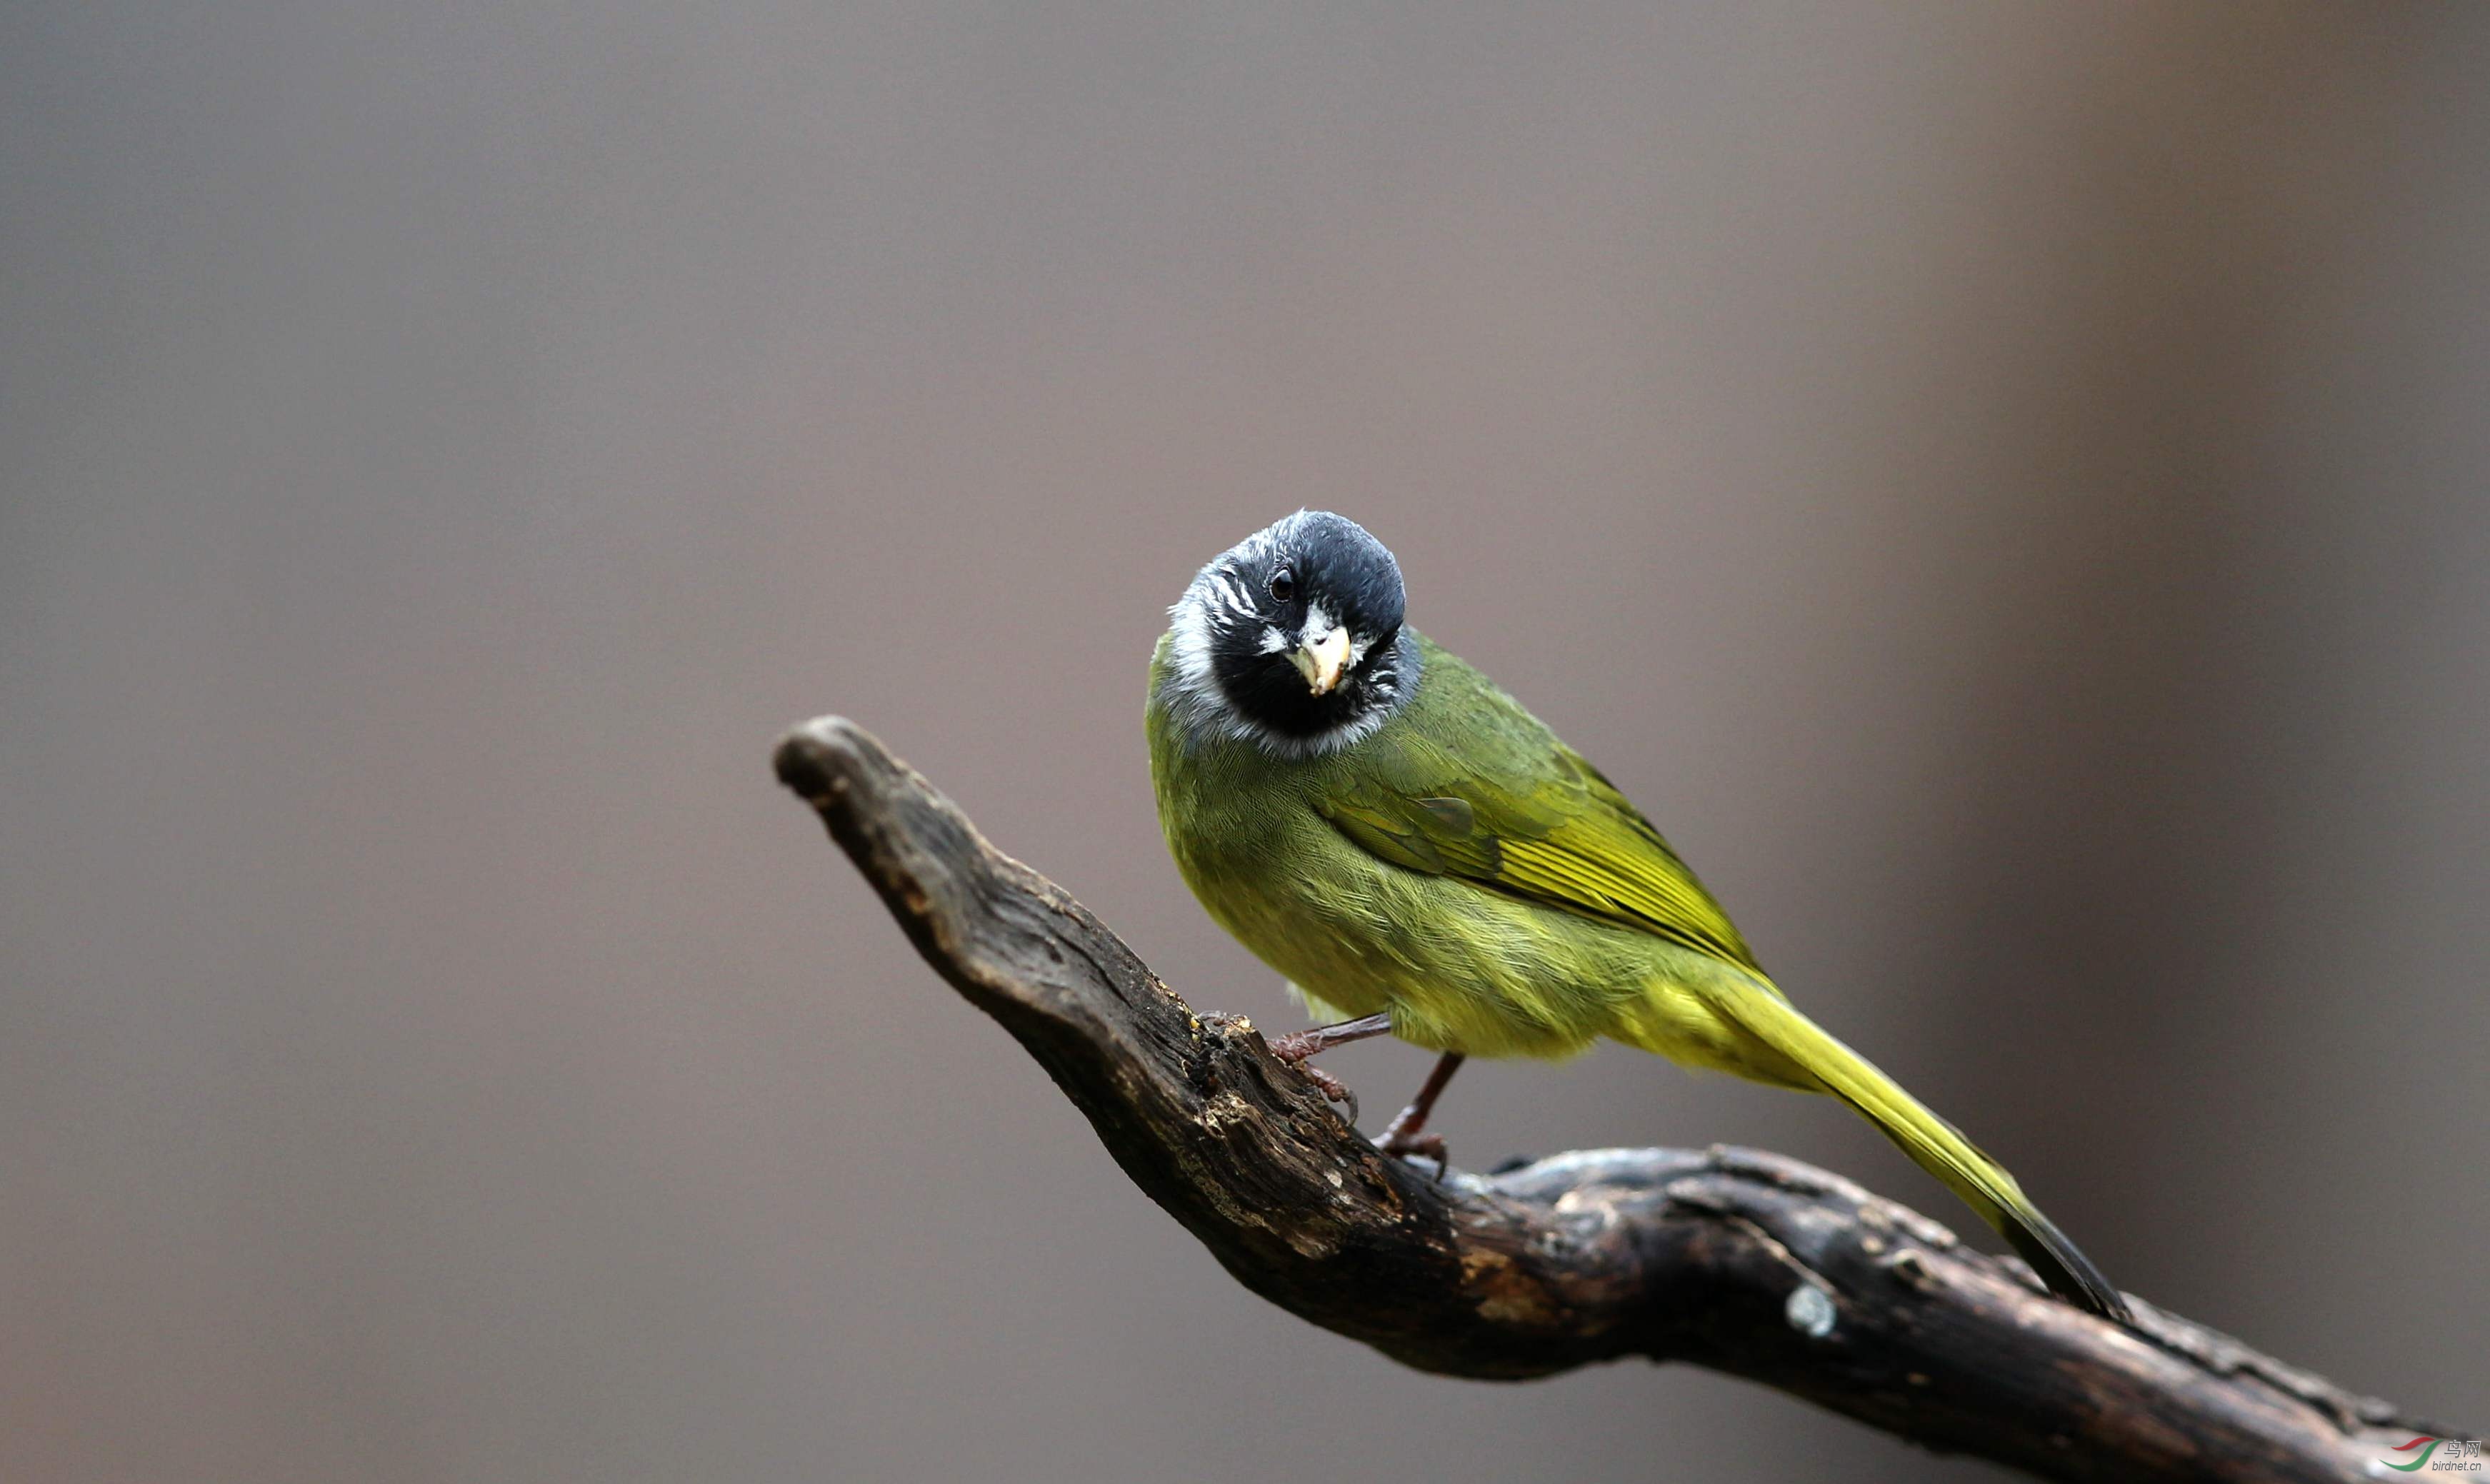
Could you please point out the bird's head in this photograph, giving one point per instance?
(1292, 637)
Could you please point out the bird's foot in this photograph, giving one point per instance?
(1295, 1046)
(1330, 1086)
(1426, 1146)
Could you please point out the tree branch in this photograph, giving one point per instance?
(1745, 1262)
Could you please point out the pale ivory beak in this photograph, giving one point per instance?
(1322, 661)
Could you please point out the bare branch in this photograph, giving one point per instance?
(1745, 1262)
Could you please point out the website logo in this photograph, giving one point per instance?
(2439, 1455)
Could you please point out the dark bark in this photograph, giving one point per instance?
(1745, 1262)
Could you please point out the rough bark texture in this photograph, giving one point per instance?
(1745, 1262)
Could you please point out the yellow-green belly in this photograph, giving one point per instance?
(1460, 967)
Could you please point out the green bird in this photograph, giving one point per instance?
(1421, 857)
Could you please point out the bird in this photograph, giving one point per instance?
(1419, 856)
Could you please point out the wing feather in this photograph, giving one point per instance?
(1550, 830)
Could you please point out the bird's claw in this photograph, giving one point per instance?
(1426, 1146)
(1294, 1048)
(1331, 1087)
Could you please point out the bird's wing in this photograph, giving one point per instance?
(1517, 811)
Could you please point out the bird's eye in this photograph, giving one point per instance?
(1284, 584)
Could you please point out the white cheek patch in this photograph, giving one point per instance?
(1273, 640)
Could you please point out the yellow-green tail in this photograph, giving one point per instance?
(1934, 1145)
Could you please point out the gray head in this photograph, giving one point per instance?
(1293, 638)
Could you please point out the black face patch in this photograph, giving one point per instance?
(1313, 560)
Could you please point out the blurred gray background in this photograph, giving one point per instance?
(2009, 489)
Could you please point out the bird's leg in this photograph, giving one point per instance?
(1401, 1136)
(1295, 1046)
